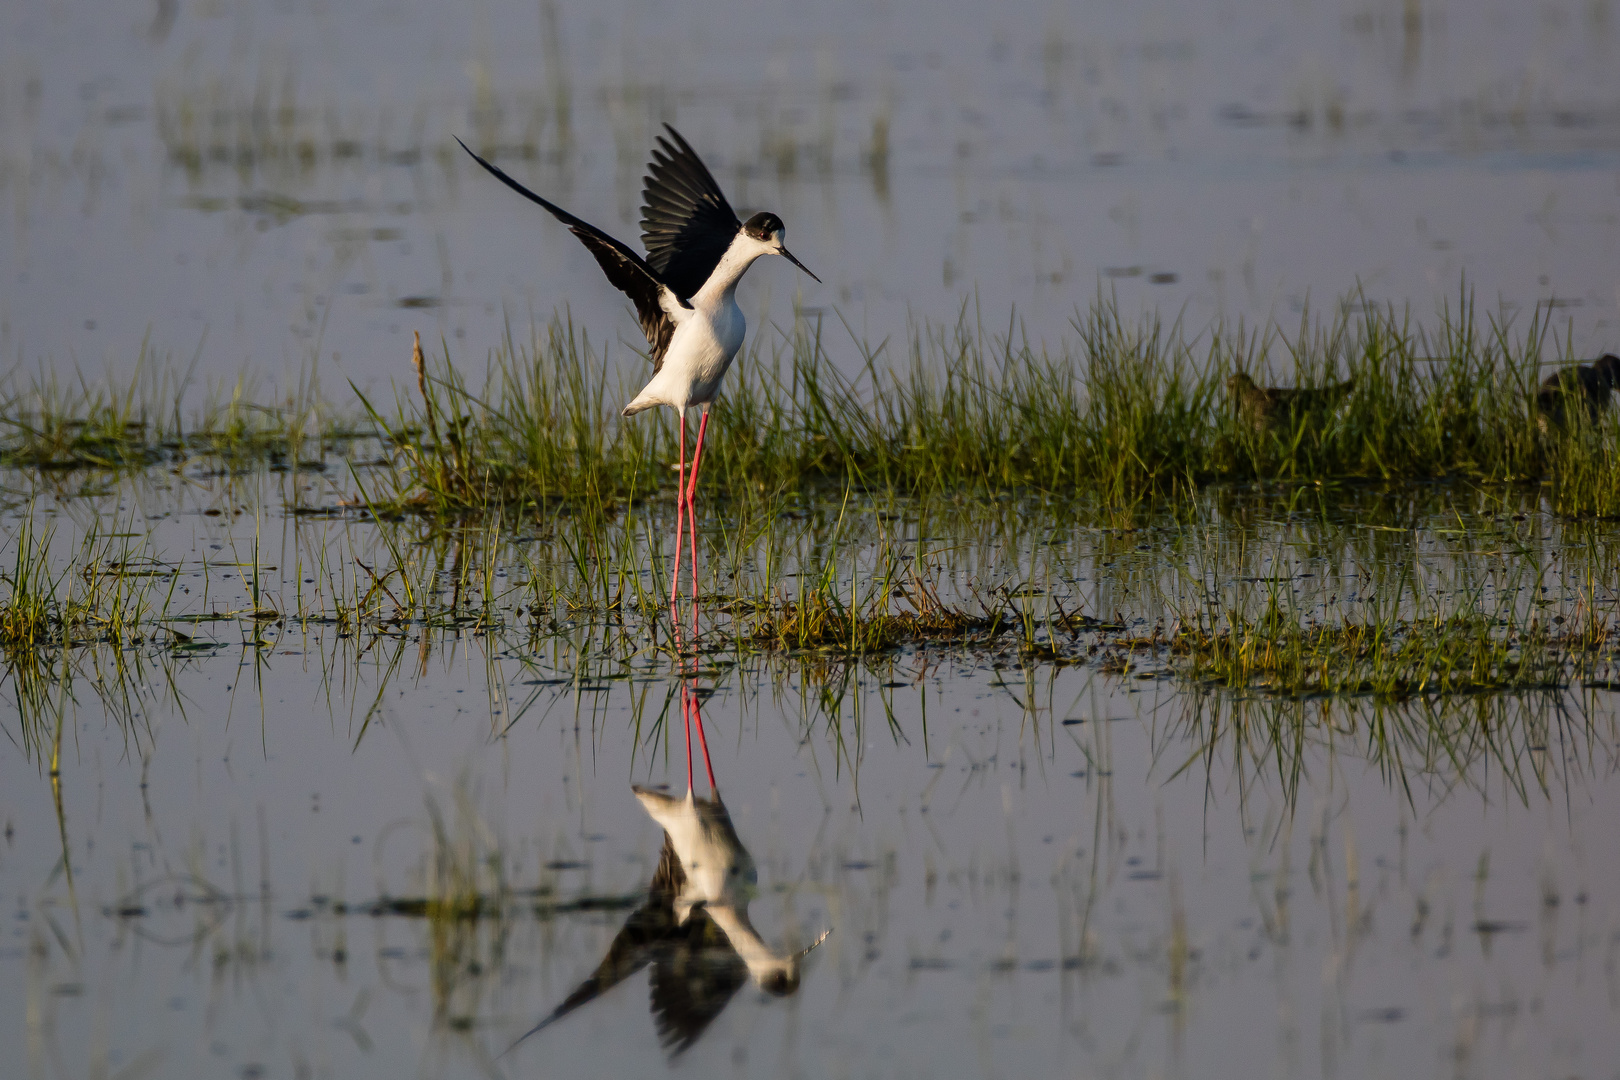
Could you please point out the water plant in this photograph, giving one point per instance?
(157, 416)
(1121, 412)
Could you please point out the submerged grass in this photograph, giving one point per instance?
(814, 597)
(1118, 413)
(50, 423)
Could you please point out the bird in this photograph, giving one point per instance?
(1591, 383)
(693, 928)
(684, 291)
(1263, 406)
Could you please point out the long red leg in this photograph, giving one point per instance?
(680, 498)
(697, 714)
(691, 507)
(686, 715)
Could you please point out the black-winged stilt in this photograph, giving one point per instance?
(684, 291)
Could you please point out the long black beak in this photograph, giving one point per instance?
(825, 934)
(788, 255)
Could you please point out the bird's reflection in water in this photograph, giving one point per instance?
(693, 930)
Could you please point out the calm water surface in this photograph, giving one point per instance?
(284, 180)
(1028, 867)
(248, 858)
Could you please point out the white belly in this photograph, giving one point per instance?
(700, 351)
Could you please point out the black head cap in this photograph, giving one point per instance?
(762, 225)
(780, 983)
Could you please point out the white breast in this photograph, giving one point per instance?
(706, 339)
(700, 351)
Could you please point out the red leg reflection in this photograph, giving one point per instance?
(691, 701)
(686, 715)
(697, 714)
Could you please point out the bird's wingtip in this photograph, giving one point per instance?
(680, 140)
(519, 1040)
(475, 156)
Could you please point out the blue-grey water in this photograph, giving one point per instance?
(1028, 868)
(256, 187)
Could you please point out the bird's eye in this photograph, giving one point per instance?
(779, 984)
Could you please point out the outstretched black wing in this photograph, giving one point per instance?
(693, 980)
(628, 272)
(645, 935)
(686, 223)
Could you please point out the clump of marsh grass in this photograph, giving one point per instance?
(101, 596)
(30, 614)
(817, 618)
(51, 423)
(1476, 627)
(1118, 413)
(1460, 653)
(1585, 467)
(534, 432)
(1447, 401)
(93, 608)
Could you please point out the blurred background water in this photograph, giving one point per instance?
(260, 185)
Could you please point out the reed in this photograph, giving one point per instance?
(1119, 412)
(157, 416)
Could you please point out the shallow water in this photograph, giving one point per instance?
(262, 187)
(248, 855)
(1026, 865)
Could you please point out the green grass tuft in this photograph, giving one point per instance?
(1118, 413)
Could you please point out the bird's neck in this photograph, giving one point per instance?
(722, 283)
(760, 957)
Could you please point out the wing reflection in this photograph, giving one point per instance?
(693, 930)
(695, 971)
